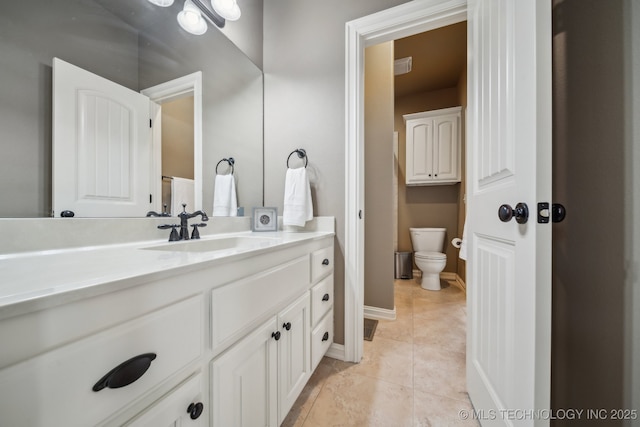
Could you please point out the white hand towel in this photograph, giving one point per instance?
(182, 191)
(463, 244)
(225, 202)
(298, 206)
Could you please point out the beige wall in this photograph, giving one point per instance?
(425, 206)
(177, 138)
(378, 157)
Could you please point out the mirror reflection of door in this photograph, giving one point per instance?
(177, 146)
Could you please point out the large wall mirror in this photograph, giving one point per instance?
(139, 46)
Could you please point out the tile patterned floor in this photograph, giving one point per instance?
(412, 373)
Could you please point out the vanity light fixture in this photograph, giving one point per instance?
(228, 9)
(191, 20)
(192, 17)
(162, 3)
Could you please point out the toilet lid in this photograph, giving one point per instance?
(430, 255)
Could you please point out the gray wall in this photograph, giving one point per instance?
(595, 175)
(112, 45)
(304, 72)
(378, 171)
(101, 44)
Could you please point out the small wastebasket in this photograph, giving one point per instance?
(404, 265)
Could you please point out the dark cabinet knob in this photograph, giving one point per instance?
(325, 297)
(126, 373)
(520, 213)
(195, 410)
(287, 325)
(276, 335)
(325, 261)
(325, 336)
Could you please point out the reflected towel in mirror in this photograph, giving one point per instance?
(182, 191)
(298, 206)
(225, 202)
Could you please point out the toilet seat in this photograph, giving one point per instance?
(437, 256)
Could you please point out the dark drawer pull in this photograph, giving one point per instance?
(126, 372)
(325, 261)
(195, 410)
(325, 336)
(325, 297)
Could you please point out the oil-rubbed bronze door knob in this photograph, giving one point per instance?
(520, 213)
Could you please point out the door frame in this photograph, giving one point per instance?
(405, 20)
(189, 85)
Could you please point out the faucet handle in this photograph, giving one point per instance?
(196, 234)
(173, 237)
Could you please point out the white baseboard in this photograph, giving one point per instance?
(336, 351)
(379, 313)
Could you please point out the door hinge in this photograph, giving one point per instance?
(150, 198)
(150, 123)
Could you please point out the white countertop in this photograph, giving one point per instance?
(36, 277)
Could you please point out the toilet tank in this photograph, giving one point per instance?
(427, 239)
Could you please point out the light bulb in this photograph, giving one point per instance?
(191, 20)
(162, 3)
(228, 9)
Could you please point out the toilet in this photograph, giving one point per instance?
(427, 246)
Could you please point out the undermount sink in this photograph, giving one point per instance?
(211, 245)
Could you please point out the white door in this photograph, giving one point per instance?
(101, 146)
(509, 264)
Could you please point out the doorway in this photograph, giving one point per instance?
(190, 87)
(393, 24)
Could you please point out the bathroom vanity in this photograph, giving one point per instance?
(223, 331)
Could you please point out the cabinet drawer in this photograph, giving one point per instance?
(240, 306)
(321, 263)
(56, 388)
(173, 408)
(321, 299)
(321, 339)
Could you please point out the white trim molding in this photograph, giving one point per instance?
(404, 20)
(379, 313)
(190, 84)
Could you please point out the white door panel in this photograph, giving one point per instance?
(509, 276)
(101, 145)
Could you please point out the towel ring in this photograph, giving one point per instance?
(302, 154)
(231, 162)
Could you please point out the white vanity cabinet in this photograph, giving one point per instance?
(257, 380)
(433, 147)
(183, 407)
(228, 343)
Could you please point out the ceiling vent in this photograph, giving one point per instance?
(402, 65)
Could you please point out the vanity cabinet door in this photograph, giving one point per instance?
(294, 347)
(182, 407)
(244, 381)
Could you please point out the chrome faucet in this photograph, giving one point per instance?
(184, 221)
